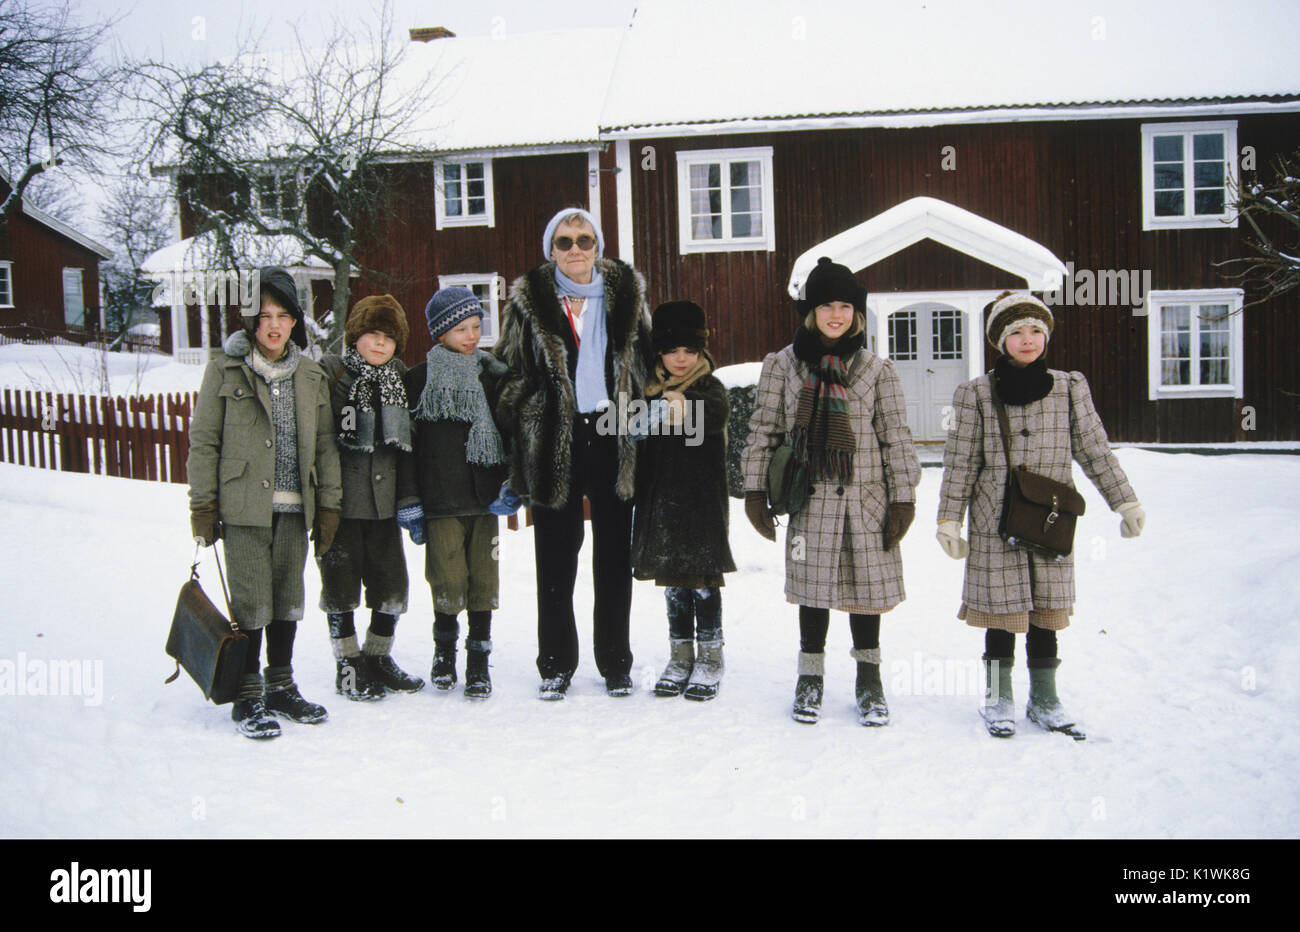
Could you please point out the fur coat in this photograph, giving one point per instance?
(536, 405)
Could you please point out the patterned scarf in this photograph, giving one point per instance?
(453, 392)
(823, 436)
(394, 419)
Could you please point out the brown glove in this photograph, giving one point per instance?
(758, 515)
(898, 518)
(327, 525)
(204, 526)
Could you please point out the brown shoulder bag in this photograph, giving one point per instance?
(210, 647)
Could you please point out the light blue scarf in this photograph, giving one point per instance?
(589, 383)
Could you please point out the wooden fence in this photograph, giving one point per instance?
(143, 437)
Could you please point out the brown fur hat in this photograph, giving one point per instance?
(1010, 310)
(377, 312)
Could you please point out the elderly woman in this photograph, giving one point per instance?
(576, 338)
(840, 407)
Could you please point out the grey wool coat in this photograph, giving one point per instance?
(371, 481)
(834, 551)
(232, 441)
(1045, 436)
(536, 404)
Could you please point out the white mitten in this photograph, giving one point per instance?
(1134, 519)
(949, 537)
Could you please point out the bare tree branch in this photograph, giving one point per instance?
(1272, 210)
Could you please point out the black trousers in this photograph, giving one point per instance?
(557, 538)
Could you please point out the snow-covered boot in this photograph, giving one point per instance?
(553, 688)
(382, 668)
(352, 678)
(283, 698)
(681, 660)
(248, 711)
(443, 673)
(707, 673)
(872, 709)
(808, 688)
(1044, 708)
(999, 709)
(478, 684)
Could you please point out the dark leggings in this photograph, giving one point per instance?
(815, 622)
(1039, 642)
(446, 628)
(279, 645)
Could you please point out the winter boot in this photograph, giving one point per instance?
(443, 673)
(1044, 708)
(618, 684)
(283, 698)
(554, 687)
(681, 660)
(383, 670)
(808, 688)
(352, 679)
(999, 710)
(248, 711)
(478, 684)
(870, 694)
(707, 673)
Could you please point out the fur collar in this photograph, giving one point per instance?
(537, 297)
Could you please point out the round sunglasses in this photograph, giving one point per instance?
(565, 243)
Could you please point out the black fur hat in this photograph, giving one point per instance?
(679, 323)
(277, 284)
(829, 281)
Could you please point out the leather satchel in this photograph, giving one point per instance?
(210, 647)
(787, 482)
(1038, 514)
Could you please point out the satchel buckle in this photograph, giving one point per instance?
(1053, 514)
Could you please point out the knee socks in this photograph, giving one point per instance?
(815, 622)
(1039, 642)
(447, 628)
(694, 613)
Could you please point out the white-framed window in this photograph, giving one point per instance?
(74, 305)
(489, 287)
(275, 195)
(463, 193)
(724, 200)
(1188, 170)
(902, 336)
(6, 283)
(1195, 343)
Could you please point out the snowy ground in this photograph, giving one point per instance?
(79, 370)
(1181, 665)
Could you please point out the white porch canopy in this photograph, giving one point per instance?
(930, 218)
(195, 268)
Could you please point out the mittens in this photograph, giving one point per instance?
(1133, 519)
(506, 502)
(204, 526)
(898, 518)
(759, 516)
(327, 525)
(411, 518)
(949, 536)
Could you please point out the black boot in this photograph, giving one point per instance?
(808, 688)
(353, 680)
(382, 669)
(283, 698)
(443, 673)
(870, 694)
(248, 711)
(478, 684)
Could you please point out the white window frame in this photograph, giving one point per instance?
(689, 157)
(81, 291)
(1235, 386)
(441, 220)
(7, 269)
(495, 285)
(1225, 220)
(280, 178)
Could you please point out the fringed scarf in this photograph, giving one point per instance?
(662, 382)
(453, 392)
(394, 418)
(823, 436)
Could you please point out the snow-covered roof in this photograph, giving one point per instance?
(691, 62)
(930, 218)
(518, 90)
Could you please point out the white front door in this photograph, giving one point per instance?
(933, 340)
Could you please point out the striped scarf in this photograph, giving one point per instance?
(823, 436)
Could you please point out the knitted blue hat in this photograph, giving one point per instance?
(448, 307)
(569, 212)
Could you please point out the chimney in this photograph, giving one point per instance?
(429, 33)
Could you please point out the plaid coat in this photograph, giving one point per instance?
(834, 556)
(1045, 435)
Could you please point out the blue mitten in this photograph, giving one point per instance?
(506, 503)
(412, 519)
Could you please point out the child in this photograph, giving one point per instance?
(841, 408)
(459, 467)
(1007, 590)
(679, 535)
(374, 439)
(262, 463)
